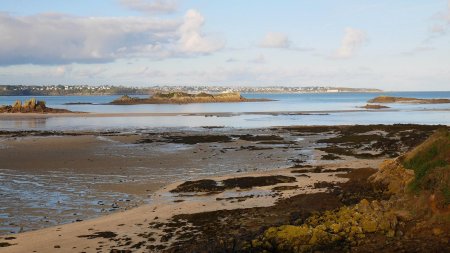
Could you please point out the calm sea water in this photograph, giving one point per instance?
(325, 102)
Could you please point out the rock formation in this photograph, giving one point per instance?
(185, 98)
(416, 215)
(374, 106)
(30, 106)
(389, 99)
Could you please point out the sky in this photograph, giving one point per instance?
(385, 44)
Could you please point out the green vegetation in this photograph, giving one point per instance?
(446, 192)
(172, 95)
(430, 160)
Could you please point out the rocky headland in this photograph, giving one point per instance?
(30, 106)
(389, 99)
(185, 98)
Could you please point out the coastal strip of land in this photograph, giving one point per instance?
(223, 212)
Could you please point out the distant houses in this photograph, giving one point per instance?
(60, 90)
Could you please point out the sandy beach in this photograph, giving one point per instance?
(267, 176)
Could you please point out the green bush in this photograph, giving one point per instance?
(433, 154)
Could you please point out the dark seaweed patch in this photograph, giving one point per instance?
(104, 234)
(208, 185)
(195, 139)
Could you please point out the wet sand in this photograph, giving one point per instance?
(5, 116)
(134, 225)
(49, 178)
(171, 219)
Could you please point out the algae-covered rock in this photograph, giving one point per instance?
(336, 227)
(368, 225)
(288, 238)
(347, 225)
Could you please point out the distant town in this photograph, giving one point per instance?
(79, 90)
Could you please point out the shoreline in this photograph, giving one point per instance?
(161, 224)
(129, 222)
(149, 114)
(205, 114)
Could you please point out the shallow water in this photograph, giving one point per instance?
(38, 198)
(252, 117)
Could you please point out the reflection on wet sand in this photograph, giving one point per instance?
(50, 180)
(31, 123)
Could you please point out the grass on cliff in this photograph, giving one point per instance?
(446, 192)
(431, 163)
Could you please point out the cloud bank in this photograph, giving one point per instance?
(51, 39)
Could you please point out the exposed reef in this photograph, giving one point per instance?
(30, 106)
(185, 98)
(374, 107)
(389, 99)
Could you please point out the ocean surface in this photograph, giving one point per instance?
(318, 109)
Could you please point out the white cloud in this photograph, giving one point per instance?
(191, 38)
(275, 40)
(352, 41)
(150, 6)
(54, 39)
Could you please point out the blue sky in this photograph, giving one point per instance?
(391, 45)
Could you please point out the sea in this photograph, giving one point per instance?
(284, 110)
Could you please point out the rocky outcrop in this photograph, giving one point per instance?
(374, 106)
(346, 225)
(394, 176)
(415, 218)
(30, 106)
(389, 99)
(185, 98)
